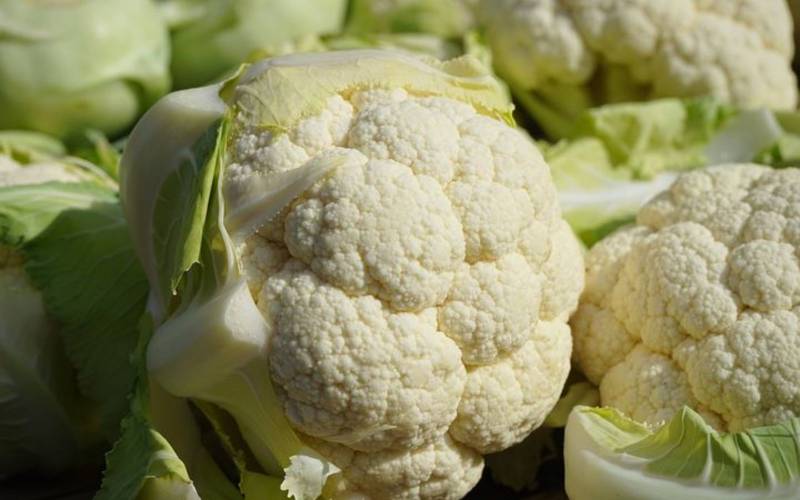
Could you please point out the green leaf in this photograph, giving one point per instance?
(25, 146)
(257, 486)
(27, 210)
(608, 455)
(276, 94)
(97, 150)
(142, 464)
(445, 18)
(596, 197)
(621, 155)
(159, 454)
(92, 284)
(181, 209)
(40, 422)
(212, 37)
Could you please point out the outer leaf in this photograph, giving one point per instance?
(26, 211)
(39, 423)
(596, 197)
(160, 447)
(178, 227)
(84, 265)
(446, 18)
(610, 456)
(622, 155)
(177, 167)
(276, 93)
(25, 146)
(144, 465)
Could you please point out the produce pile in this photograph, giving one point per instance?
(399, 249)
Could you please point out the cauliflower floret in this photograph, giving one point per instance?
(443, 469)
(355, 373)
(699, 303)
(417, 296)
(503, 401)
(739, 51)
(346, 232)
(536, 41)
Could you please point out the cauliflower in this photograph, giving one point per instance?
(398, 270)
(571, 54)
(38, 396)
(697, 304)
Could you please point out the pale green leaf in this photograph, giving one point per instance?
(608, 455)
(27, 210)
(92, 284)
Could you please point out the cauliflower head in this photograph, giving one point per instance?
(698, 304)
(416, 293)
(623, 50)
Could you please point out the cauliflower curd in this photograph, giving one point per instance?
(414, 296)
(418, 294)
(698, 304)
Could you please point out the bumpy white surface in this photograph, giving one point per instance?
(418, 296)
(699, 303)
(737, 50)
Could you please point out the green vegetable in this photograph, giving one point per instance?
(609, 456)
(64, 335)
(444, 18)
(68, 66)
(212, 37)
(618, 156)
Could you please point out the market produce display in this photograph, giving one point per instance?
(399, 249)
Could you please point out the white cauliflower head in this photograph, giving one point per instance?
(698, 304)
(417, 294)
(739, 51)
(412, 300)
